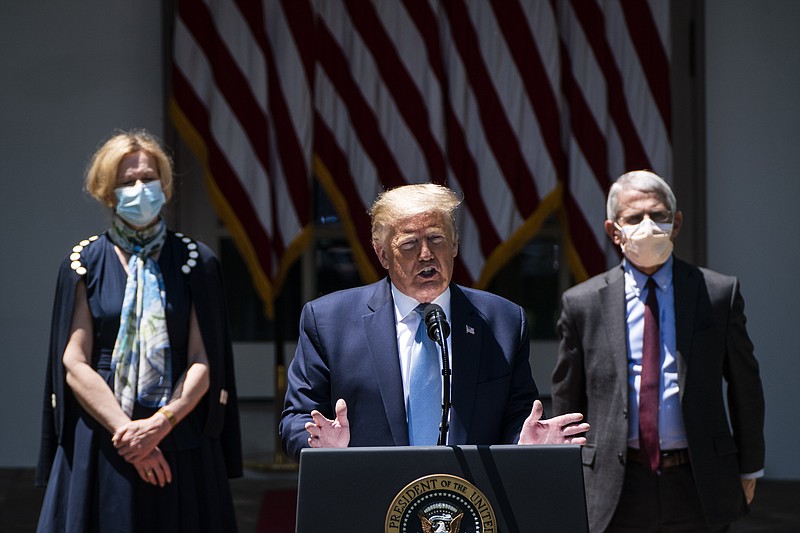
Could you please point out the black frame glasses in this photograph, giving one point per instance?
(663, 216)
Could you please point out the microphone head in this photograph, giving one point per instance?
(435, 320)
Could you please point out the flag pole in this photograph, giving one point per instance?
(280, 461)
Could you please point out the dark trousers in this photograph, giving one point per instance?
(659, 503)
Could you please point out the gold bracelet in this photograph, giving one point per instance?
(169, 414)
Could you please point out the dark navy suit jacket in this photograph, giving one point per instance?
(348, 349)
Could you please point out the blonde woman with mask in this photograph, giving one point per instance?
(141, 427)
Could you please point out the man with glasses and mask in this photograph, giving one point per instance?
(644, 350)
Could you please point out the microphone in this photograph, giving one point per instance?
(436, 323)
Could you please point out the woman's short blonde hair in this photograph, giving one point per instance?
(101, 177)
(397, 204)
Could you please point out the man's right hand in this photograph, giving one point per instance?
(325, 433)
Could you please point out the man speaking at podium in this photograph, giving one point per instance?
(365, 372)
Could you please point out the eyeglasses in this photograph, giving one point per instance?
(659, 217)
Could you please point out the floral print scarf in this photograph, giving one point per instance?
(141, 360)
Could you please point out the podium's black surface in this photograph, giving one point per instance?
(531, 488)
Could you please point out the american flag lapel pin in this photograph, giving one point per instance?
(470, 330)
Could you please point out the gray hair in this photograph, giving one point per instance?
(639, 180)
(399, 203)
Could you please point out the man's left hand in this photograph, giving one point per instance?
(557, 430)
(749, 488)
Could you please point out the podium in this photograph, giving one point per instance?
(404, 489)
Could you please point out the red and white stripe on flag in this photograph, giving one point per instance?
(527, 107)
(242, 100)
(415, 91)
(616, 86)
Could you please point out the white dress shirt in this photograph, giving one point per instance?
(406, 322)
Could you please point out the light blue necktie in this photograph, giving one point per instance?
(425, 389)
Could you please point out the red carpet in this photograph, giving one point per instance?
(278, 512)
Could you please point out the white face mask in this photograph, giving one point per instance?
(646, 244)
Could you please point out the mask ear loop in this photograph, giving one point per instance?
(621, 233)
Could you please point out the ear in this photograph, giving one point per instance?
(381, 253)
(455, 247)
(612, 232)
(677, 222)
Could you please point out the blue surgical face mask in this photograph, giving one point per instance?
(140, 204)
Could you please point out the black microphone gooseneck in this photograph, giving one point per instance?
(438, 331)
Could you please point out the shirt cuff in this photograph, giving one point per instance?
(753, 475)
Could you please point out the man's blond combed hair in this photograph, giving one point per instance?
(406, 201)
(101, 176)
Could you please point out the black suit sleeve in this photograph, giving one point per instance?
(745, 392)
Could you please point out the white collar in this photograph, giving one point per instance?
(404, 305)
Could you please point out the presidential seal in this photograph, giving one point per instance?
(440, 503)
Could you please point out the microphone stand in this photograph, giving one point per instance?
(444, 426)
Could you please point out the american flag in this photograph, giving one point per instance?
(530, 108)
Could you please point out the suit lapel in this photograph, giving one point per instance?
(380, 333)
(468, 330)
(684, 289)
(613, 312)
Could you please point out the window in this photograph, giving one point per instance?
(532, 281)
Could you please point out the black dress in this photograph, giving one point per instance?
(90, 487)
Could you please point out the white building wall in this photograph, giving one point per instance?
(753, 168)
(70, 73)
